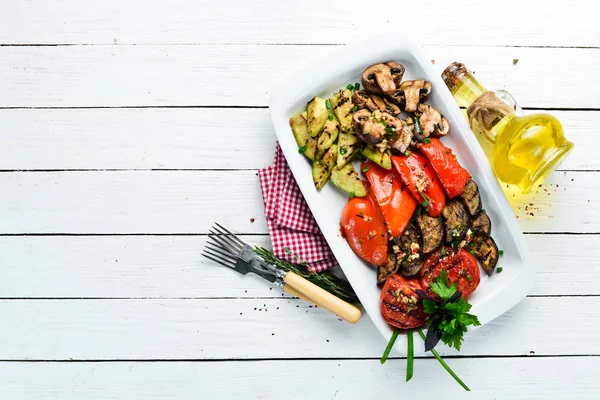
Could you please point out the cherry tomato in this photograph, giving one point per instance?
(395, 201)
(420, 178)
(461, 268)
(364, 229)
(400, 305)
(451, 174)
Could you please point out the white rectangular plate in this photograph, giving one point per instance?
(496, 294)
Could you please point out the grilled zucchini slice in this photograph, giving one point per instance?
(347, 179)
(329, 135)
(381, 158)
(341, 103)
(317, 115)
(299, 126)
(347, 146)
(321, 168)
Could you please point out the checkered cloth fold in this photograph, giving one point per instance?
(295, 235)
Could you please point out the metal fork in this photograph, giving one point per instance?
(226, 249)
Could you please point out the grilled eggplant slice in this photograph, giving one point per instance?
(381, 158)
(329, 135)
(410, 243)
(341, 103)
(321, 168)
(486, 251)
(412, 267)
(347, 147)
(482, 224)
(347, 179)
(456, 218)
(408, 238)
(389, 268)
(471, 197)
(299, 126)
(317, 115)
(432, 232)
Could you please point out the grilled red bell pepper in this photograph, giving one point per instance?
(420, 178)
(395, 201)
(451, 174)
(364, 229)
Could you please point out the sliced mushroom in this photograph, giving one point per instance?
(482, 224)
(363, 100)
(391, 108)
(457, 220)
(360, 99)
(404, 138)
(378, 127)
(432, 231)
(382, 78)
(411, 93)
(432, 122)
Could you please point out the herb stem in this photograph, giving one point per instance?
(390, 344)
(446, 366)
(410, 356)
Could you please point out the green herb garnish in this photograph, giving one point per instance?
(500, 252)
(389, 129)
(407, 153)
(426, 140)
(365, 168)
(328, 104)
(446, 366)
(483, 211)
(390, 344)
(454, 234)
(355, 109)
(302, 149)
(425, 203)
(350, 86)
(443, 252)
(330, 117)
(343, 150)
(499, 269)
(351, 195)
(410, 355)
(418, 126)
(356, 86)
(449, 317)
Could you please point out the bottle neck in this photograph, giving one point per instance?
(462, 84)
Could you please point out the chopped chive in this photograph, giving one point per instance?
(425, 203)
(407, 153)
(499, 269)
(426, 140)
(343, 150)
(361, 212)
(330, 117)
(390, 344)
(356, 86)
(469, 278)
(472, 251)
(419, 210)
(446, 366)
(389, 129)
(365, 169)
(483, 211)
(351, 195)
(410, 356)
(355, 109)
(302, 149)
(500, 252)
(350, 86)
(443, 252)
(328, 104)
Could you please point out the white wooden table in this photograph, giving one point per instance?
(126, 129)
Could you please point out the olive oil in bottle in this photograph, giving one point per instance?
(523, 150)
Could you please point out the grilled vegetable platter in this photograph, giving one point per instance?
(413, 213)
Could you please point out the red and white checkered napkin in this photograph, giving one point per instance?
(294, 232)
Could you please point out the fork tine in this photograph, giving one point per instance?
(238, 240)
(228, 239)
(233, 239)
(219, 250)
(215, 259)
(219, 240)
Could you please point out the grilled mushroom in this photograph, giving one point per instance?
(373, 102)
(431, 121)
(411, 93)
(382, 78)
(403, 140)
(377, 126)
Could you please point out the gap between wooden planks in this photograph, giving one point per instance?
(188, 138)
(135, 329)
(78, 267)
(214, 75)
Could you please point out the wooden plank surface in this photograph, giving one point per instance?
(172, 267)
(112, 202)
(497, 378)
(159, 138)
(213, 75)
(143, 329)
(464, 22)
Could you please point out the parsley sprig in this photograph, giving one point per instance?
(449, 314)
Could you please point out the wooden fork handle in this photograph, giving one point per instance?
(293, 292)
(322, 298)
